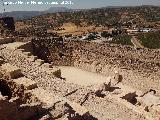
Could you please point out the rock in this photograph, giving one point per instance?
(6, 40)
(57, 73)
(27, 53)
(39, 62)
(11, 71)
(45, 117)
(149, 100)
(78, 108)
(1, 61)
(32, 58)
(117, 77)
(102, 88)
(47, 65)
(27, 83)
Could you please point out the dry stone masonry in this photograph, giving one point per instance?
(135, 66)
(31, 88)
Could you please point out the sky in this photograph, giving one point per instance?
(75, 4)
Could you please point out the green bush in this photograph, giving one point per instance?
(105, 34)
(150, 40)
(122, 39)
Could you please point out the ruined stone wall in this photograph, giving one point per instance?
(139, 68)
(9, 21)
(87, 54)
(121, 101)
(122, 56)
(53, 49)
(16, 100)
(3, 30)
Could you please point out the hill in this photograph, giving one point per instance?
(96, 19)
(28, 14)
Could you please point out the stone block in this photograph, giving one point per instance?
(22, 50)
(39, 62)
(27, 53)
(117, 77)
(48, 101)
(47, 65)
(27, 83)
(149, 100)
(28, 111)
(11, 71)
(1, 61)
(32, 58)
(6, 40)
(78, 108)
(102, 87)
(57, 73)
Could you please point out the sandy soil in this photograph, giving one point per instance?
(82, 77)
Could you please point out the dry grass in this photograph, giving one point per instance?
(20, 25)
(71, 28)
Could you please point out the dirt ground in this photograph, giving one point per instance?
(82, 77)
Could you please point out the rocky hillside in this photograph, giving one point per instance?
(29, 14)
(143, 16)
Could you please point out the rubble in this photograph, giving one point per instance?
(43, 94)
(13, 100)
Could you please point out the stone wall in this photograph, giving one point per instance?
(16, 102)
(139, 68)
(120, 100)
(53, 49)
(9, 21)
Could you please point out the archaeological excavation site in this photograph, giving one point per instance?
(50, 79)
(47, 76)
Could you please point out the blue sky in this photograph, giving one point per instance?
(77, 4)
